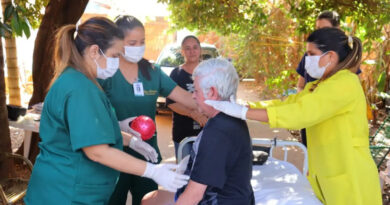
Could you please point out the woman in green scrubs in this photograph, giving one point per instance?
(333, 111)
(81, 149)
(133, 90)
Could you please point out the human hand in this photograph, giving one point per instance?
(143, 148)
(125, 127)
(164, 175)
(199, 117)
(229, 108)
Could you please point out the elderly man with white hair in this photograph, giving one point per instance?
(220, 164)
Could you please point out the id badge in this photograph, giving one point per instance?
(138, 89)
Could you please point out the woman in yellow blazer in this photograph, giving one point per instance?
(333, 111)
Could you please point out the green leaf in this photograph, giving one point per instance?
(15, 24)
(20, 9)
(26, 29)
(8, 12)
(381, 81)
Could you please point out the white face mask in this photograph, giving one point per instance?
(134, 53)
(313, 68)
(112, 65)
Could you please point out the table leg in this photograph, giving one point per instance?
(27, 142)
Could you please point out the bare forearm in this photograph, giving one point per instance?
(126, 138)
(194, 114)
(116, 159)
(192, 194)
(185, 200)
(180, 109)
(183, 97)
(257, 114)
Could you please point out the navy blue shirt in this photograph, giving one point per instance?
(183, 126)
(302, 71)
(221, 158)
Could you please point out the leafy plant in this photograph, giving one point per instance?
(264, 38)
(15, 21)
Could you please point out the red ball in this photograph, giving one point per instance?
(144, 125)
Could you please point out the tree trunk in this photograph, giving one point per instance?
(5, 140)
(57, 14)
(13, 71)
(12, 65)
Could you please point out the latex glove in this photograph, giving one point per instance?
(125, 127)
(182, 166)
(229, 108)
(164, 175)
(143, 148)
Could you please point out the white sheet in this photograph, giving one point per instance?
(281, 183)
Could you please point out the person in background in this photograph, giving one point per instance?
(333, 110)
(186, 122)
(326, 19)
(133, 90)
(81, 149)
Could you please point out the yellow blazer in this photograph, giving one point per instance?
(341, 169)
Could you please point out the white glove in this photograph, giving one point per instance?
(143, 148)
(164, 175)
(229, 108)
(125, 127)
(182, 166)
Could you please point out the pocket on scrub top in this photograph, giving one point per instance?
(92, 194)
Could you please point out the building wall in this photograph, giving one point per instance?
(157, 35)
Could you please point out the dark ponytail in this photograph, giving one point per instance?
(348, 49)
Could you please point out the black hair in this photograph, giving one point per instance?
(331, 39)
(332, 16)
(348, 48)
(188, 37)
(128, 23)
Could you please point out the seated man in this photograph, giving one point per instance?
(220, 164)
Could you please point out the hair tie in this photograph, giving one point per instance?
(77, 27)
(350, 42)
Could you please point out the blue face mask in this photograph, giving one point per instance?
(112, 65)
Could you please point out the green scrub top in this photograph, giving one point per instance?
(127, 104)
(76, 114)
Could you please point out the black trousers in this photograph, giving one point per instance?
(303, 137)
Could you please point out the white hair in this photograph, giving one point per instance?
(218, 73)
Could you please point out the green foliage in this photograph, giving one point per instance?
(223, 16)
(264, 38)
(33, 11)
(15, 21)
(381, 82)
(365, 19)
